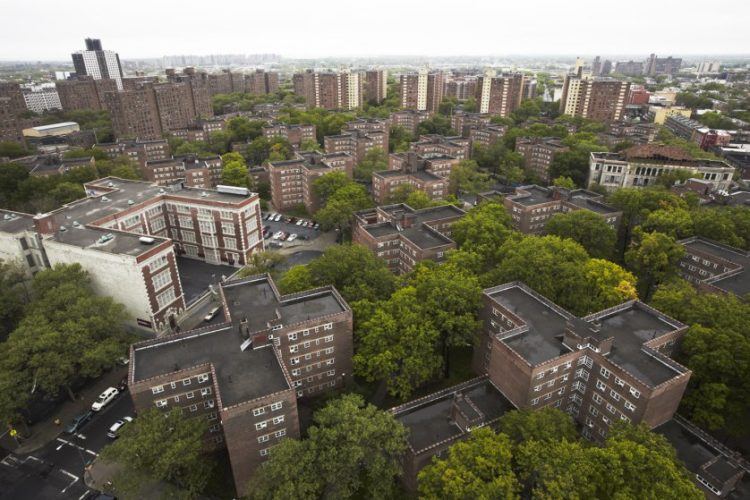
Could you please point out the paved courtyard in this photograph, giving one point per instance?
(196, 275)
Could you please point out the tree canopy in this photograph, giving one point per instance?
(587, 228)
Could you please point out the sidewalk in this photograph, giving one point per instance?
(45, 431)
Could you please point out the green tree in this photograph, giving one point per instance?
(587, 228)
(353, 450)
(607, 285)
(437, 124)
(564, 182)
(241, 129)
(478, 468)
(374, 160)
(162, 447)
(261, 263)
(674, 222)
(545, 424)
(452, 295)
(480, 235)
(355, 272)
(397, 345)
(467, 178)
(14, 295)
(718, 225)
(234, 173)
(399, 139)
(340, 207)
(67, 333)
(12, 149)
(326, 185)
(310, 145)
(653, 258)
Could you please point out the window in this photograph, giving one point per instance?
(211, 416)
(534, 401)
(263, 439)
(328, 338)
(214, 428)
(605, 373)
(593, 411)
(264, 452)
(230, 243)
(540, 376)
(328, 326)
(636, 394)
(208, 404)
(157, 389)
(278, 420)
(614, 395)
(276, 406)
(161, 403)
(629, 406)
(165, 298)
(162, 279)
(597, 398)
(203, 378)
(295, 372)
(293, 348)
(193, 407)
(330, 361)
(280, 433)
(177, 399)
(174, 385)
(600, 385)
(292, 336)
(261, 425)
(227, 228)
(258, 411)
(619, 382)
(610, 408)
(537, 388)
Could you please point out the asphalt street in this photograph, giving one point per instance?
(56, 470)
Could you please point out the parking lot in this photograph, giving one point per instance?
(304, 233)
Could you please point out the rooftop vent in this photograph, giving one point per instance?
(7, 217)
(111, 184)
(146, 240)
(63, 228)
(104, 199)
(204, 194)
(105, 238)
(161, 191)
(131, 202)
(76, 223)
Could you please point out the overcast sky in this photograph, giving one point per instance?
(52, 29)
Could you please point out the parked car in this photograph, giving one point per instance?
(78, 422)
(212, 314)
(300, 222)
(104, 398)
(278, 235)
(292, 237)
(268, 216)
(316, 226)
(112, 433)
(276, 244)
(123, 360)
(293, 220)
(275, 217)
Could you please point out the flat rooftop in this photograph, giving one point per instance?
(381, 229)
(255, 300)
(630, 326)
(593, 205)
(429, 419)
(15, 222)
(533, 195)
(425, 238)
(546, 324)
(240, 375)
(738, 283)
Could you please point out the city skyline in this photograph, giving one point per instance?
(484, 29)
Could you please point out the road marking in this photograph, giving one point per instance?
(32, 458)
(75, 480)
(58, 448)
(80, 436)
(76, 446)
(84, 494)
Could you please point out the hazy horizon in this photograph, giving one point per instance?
(339, 29)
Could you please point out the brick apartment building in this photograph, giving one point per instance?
(404, 237)
(375, 85)
(439, 420)
(243, 377)
(538, 153)
(499, 95)
(197, 172)
(601, 99)
(462, 122)
(636, 133)
(691, 130)
(358, 138)
(461, 87)
(409, 119)
(149, 110)
(258, 82)
(137, 151)
(423, 174)
(422, 91)
(342, 90)
(608, 366)
(12, 106)
(127, 235)
(83, 92)
(486, 135)
(200, 130)
(715, 267)
(531, 207)
(295, 134)
(433, 145)
(292, 180)
(640, 166)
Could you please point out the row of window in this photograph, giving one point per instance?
(294, 335)
(264, 423)
(202, 378)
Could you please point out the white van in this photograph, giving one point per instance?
(104, 399)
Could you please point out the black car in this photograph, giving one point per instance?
(123, 385)
(79, 422)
